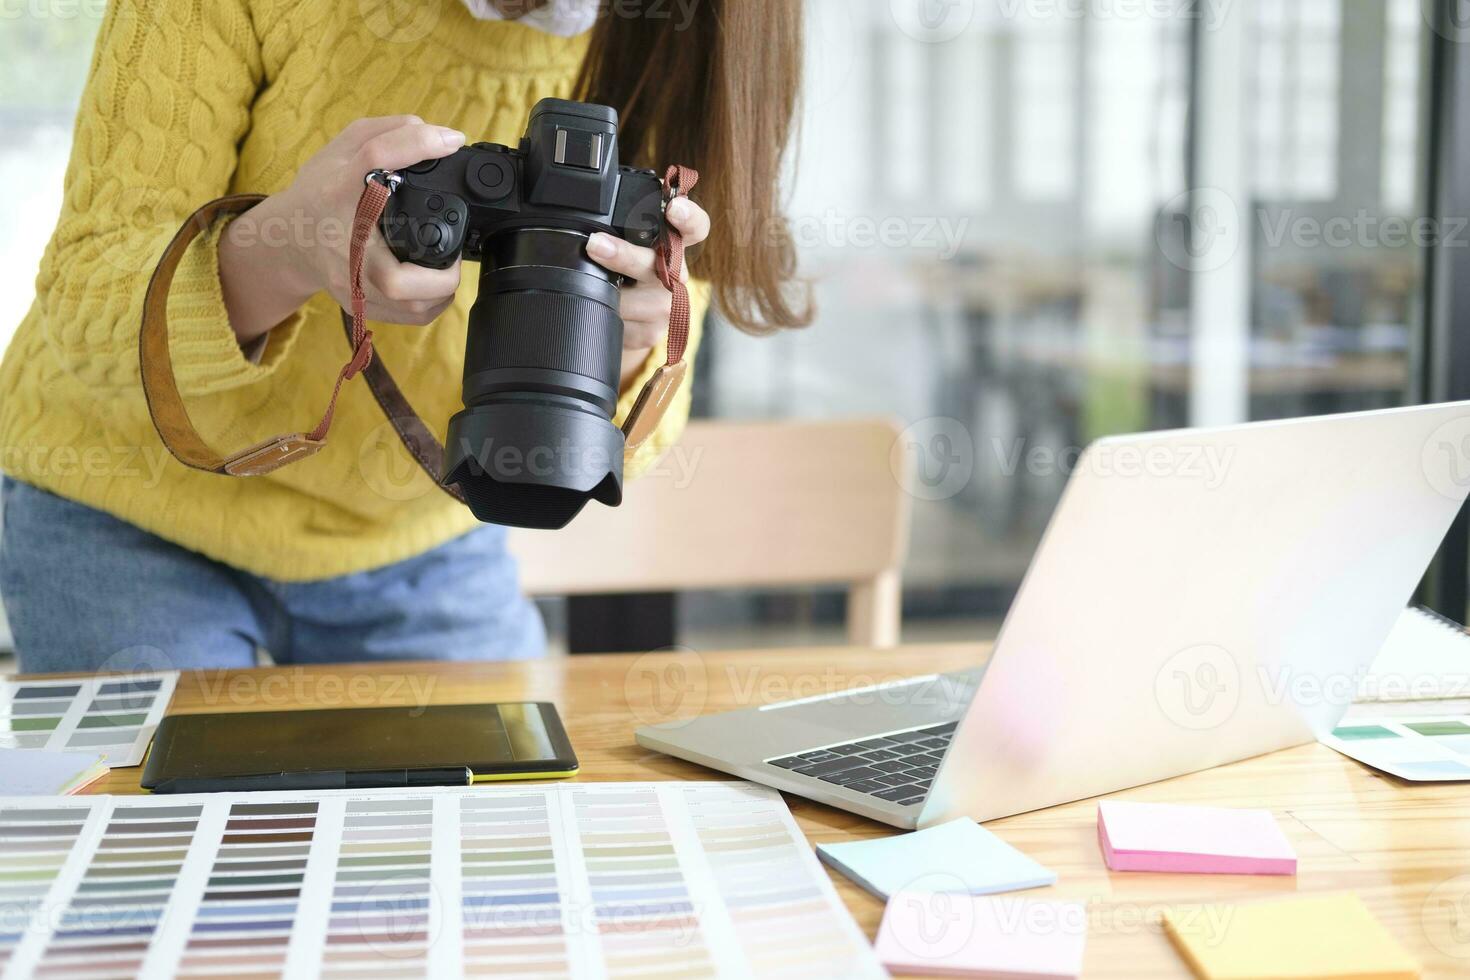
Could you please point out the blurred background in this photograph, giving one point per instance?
(1030, 223)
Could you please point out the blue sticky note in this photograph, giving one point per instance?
(959, 856)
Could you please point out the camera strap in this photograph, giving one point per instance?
(171, 418)
(668, 264)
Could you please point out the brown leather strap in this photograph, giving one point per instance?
(412, 431)
(668, 263)
(171, 418)
(653, 401)
(160, 387)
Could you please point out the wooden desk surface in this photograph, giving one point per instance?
(1405, 849)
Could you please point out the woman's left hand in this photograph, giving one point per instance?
(645, 302)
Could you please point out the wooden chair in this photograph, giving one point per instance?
(746, 505)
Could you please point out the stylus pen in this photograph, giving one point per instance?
(330, 779)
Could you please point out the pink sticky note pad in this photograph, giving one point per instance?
(997, 937)
(1193, 839)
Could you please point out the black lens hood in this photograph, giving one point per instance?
(528, 463)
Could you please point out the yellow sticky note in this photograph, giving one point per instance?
(1315, 937)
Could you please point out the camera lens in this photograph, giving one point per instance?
(536, 441)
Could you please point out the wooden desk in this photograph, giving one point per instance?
(1405, 849)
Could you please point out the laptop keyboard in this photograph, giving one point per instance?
(899, 767)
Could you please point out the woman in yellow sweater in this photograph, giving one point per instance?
(113, 552)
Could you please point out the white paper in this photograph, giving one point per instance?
(114, 714)
(586, 880)
(42, 772)
(1425, 657)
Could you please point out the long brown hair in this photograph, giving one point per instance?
(714, 86)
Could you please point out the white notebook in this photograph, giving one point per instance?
(1427, 656)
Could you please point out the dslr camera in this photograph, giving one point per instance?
(535, 440)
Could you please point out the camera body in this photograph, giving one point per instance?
(544, 352)
(564, 174)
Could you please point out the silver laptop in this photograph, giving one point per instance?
(1200, 596)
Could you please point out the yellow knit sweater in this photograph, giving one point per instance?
(191, 99)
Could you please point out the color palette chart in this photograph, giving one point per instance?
(645, 880)
(779, 915)
(253, 889)
(114, 910)
(1424, 749)
(510, 893)
(641, 905)
(114, 715)
(35, 841)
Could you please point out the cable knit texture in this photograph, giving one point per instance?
(191, 99)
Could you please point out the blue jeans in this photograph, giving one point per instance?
(86, 591)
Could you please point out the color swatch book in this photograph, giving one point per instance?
(574, 880)
(1305, 937)
(111, 714)
(1423, 749)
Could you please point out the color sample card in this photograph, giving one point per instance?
(1192, 839)
(111, 714)
(591, 880)
(945, 934)
(958, 856)
(42, 772)
(1428, 749)
(1314, 937)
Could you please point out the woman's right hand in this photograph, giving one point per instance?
(294, 244)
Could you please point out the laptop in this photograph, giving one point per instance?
(1199, 596)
